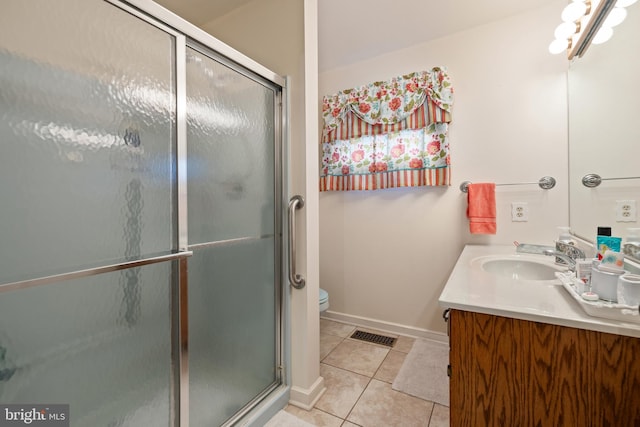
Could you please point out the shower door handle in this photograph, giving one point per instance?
(297, 281)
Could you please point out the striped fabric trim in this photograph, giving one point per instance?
(354, 127)
(382, 180)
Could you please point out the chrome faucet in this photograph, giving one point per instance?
(632, 249)
(568, 260)
(570, 251)
(569, 257)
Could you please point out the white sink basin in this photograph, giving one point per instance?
(519, 267)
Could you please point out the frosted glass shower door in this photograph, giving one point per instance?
(234, 274)
(87, 202)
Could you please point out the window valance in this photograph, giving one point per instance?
(388, 134)
(389, 103)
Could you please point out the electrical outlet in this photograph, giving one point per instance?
(625, 210)
(519, 212)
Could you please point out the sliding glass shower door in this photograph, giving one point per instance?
(87, 213)
(234, 233)
(140, 219)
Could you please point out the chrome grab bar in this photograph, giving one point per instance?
(297, 281)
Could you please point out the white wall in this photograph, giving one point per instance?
(386, 255)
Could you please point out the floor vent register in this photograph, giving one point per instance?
(373, 338)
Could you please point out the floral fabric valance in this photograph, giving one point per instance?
(390, 102)
(388, 134)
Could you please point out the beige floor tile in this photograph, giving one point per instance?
(343, 390)
(404, 344)
(357, 356)
(336, 328)
(348, 424)
(315, 417)
(380, 406)
(390, 367)
(328, 343)
(439, 416)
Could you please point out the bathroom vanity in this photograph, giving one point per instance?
(524, 352)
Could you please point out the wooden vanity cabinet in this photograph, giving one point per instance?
(510, 372)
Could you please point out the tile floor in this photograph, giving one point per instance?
(358, 376)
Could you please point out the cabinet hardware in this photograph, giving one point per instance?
(445, 316)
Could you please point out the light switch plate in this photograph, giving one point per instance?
(519, 211)
(626, 211)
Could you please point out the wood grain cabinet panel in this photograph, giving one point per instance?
(510, 372)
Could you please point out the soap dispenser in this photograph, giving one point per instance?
(564, 240)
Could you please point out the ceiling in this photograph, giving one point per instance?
(353, 30)
(200, 12)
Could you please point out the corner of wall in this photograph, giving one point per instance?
(307, 398)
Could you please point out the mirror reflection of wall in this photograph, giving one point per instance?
(604, 130)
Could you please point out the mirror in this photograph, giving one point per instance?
(604, 132)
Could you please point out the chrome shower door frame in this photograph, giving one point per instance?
(186, 36)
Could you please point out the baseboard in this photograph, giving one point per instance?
(393, 328)
(306, 399)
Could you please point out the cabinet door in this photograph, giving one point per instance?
(513, 372)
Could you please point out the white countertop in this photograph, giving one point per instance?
(470, 288)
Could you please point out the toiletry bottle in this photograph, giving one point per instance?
(564, 240)
(583, 275)
(602, 231)
(605, 242)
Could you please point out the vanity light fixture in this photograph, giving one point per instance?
(586, 22)
(603, 34)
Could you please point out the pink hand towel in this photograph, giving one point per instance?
(482, 208)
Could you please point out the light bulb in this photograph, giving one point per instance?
(602, 35)
(625, 3)
(565, 30)
(558, 46)
(615, 17)
(573, 11)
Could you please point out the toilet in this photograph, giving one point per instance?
(324, 300)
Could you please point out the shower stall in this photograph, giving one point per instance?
(141, 232)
